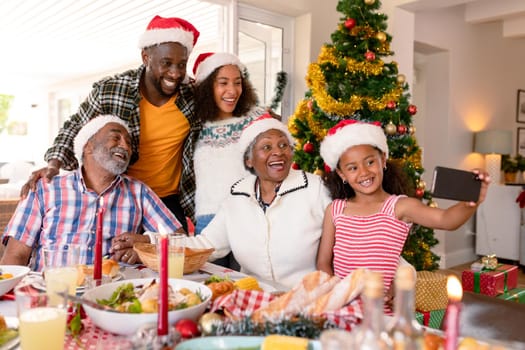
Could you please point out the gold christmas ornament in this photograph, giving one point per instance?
(370, 2)
(390, 128)
(411, 129)
(209, 320)
(432, 204)
(381, 36)
(318, 172)
(401, 78)
(421, 184)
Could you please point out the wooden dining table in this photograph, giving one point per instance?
(94, 338)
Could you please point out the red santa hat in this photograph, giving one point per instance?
(162, 30)
(90, 129)
(262, 124)
(349, 133)
(207, 62)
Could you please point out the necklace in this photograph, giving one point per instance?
(258, 195)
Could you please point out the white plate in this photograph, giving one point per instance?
(40, 283)
(12, 322)
(229, 343)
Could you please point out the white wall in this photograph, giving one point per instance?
(471, 85)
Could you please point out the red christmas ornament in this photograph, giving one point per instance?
(391, 105)
(350, 23)
(420, 192)
(308, 147)
(412, 109)
(187, 328)
(401, 129)
(370, 56)
(295, 166)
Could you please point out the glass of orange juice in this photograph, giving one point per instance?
(60, 265)
(175, 255)
(42, 320)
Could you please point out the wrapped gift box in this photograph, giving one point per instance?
(431, 291)
(517, 295)
(491, 282)
(431, 319)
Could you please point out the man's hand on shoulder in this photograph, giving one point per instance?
(48, 172)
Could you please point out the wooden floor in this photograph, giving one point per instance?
(457, 270)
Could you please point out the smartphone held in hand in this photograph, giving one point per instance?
(455, 184)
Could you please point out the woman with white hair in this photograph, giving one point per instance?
(272, 218)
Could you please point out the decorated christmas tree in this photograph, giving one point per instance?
(353, 79)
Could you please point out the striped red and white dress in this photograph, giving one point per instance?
(374, 242)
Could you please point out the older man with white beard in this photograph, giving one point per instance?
(66, 210)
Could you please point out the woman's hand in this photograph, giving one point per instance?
(122, 247)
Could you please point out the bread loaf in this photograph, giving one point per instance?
(342, 293)
(109, 268)
(312, 286)
(220, 288)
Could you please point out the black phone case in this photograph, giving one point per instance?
(455, 184)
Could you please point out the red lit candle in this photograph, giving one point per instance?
(162, 322)
(97, 268)
(455, 293)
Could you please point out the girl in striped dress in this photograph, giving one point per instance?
(369, 219)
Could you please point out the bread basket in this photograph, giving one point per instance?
(193, 258)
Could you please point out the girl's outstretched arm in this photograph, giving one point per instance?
(325, 253)
(413, 210)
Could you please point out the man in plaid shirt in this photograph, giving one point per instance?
(156, 101)
(68, 209)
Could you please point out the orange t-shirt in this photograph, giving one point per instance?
(162, 133)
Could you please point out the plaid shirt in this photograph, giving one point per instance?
(120, 95)
(65, 211)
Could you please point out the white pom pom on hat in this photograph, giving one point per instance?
(207, 62)
(349, 133)
(262, 124)
(163, 30)
(90, 129)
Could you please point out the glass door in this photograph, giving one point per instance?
(264, 46)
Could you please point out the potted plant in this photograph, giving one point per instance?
(520, 160)
(509, 165)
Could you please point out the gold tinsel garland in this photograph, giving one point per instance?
(304, 113)
(415, 159)
(317, 83)
(327, 55)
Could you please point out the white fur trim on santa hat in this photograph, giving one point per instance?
(214, 61)
(90, 129)
(159, 36)
(257, 127)
(163, 30)
(333, 146)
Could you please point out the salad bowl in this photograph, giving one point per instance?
(125, 323)
(10, 276)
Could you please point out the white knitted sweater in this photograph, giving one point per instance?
(218, 161)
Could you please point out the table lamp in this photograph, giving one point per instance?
(493, 143)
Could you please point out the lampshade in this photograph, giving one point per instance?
(493, 141)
